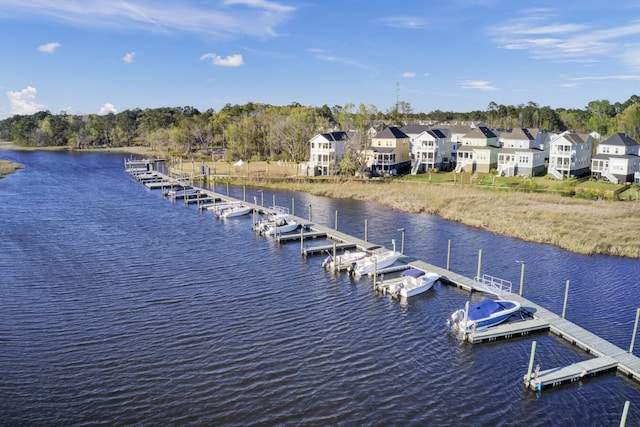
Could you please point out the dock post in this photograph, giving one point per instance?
(334, 257)
(465, 319)
(479, 263)
(522, 278)
(293, 206)
(366, 230)
(309, 212)
(302, 240)
(566, 296)
(375, 273)
(274, 201)
(402, 241)
(448, 255)
(625, 411)
(531, 360)
(244, 193)
(336, 226)
(635, 330)
(227, 188)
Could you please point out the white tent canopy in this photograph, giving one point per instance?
(239, 163)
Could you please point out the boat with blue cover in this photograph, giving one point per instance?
(486, 313)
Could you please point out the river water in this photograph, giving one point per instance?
(119, 307)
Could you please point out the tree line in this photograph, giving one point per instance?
(255, 131)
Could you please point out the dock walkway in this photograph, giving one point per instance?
(535, 318)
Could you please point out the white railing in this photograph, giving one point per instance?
(505, 167)
(461, 166)
(607, 174)
(554, 173)
(492, 285)
(416, 166)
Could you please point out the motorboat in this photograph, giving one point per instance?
(281, 224)
(235, 211)
(411, 283)
(344, 260)
(278, 214)
(380, 259)
(486, 313)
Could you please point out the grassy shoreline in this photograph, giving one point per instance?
(578, 225)
(591, 227)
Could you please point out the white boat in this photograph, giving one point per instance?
(412, 282)
(276, 214)
(344, 260)
(282, 224)
(380, 259)
(235, 211)
(486, 313)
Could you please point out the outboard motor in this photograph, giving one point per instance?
(326, 261)
(351, 269)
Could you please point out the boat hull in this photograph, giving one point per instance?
(367, 265)
(418, 286)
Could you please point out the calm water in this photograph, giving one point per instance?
(119, 307)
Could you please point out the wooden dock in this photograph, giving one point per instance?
(535, 319)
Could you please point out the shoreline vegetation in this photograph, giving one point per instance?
(590, 227)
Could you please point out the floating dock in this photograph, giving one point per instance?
(534, 318)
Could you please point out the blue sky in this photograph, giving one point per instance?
(453, 55)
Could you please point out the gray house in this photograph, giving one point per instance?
(617, 159)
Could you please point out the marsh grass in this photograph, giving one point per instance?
(579, 225)
(7, 167)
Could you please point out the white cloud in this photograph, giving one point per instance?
(107, 108)
(323, 55)
(24, 101)
(257, 18)
(404, 22)
(408, 75)
(129, 57)
(477, 84)
(566, 41)
(48, 47)
(230, 61)
(611, 77)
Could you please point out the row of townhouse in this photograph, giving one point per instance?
(476, 148)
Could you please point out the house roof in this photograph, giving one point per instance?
(608, 156)
(436, 133)
(620, 139)
(381, 149)
(570, 137)
(480, 132)
(335, 136)
(414, 129)
(391, 132)
(520, 134)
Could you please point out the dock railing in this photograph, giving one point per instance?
(492, 285)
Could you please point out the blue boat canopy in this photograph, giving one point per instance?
(484, 308)
(413, 272)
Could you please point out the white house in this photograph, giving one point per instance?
(569, 155)
(432, 150)
(617, 159)
(520, 154)
(327, 149)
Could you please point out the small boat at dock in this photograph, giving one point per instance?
(235, 210)
(343, 261)
(380, 259)
(412, 282)
(485, 314)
